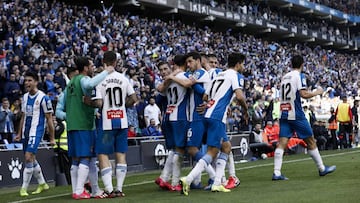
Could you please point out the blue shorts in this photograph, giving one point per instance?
(195, 133)
(31, 144)
(178, 130)
(169, 138)
(81, 143)
(301, 127)
(110, 141)
(216, 131)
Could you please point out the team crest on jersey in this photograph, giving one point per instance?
(196, 75)
(37, 102)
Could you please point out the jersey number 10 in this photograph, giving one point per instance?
(114, 96)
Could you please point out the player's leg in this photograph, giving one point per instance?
(37, 172)
(121, 148)
(194, 140)
(166, 173)
(27, 173)
(74, 161)
(105, 146)
(304, 132)
(285, 134)
(84, 143)
(179, 130)
(94, 178)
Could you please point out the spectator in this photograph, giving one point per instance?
(6, 122)
(259, 143)
(320, 134)
(152, 111)
(333, 126)
(344, 117)
(354, 111)
(152, 130)
(12, 89)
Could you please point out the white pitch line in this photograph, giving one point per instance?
(147, 182)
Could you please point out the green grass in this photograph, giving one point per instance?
(304, 185)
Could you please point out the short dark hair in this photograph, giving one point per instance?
(179, 60)
(195, 55)
(81, 62)
(162, 63)
(109, 57)
(296, 61)
(32, 74)
(211, 56)
(235, 58)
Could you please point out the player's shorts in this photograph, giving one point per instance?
(110, 141)
(81, 143)
(169, 138)
(195, 133)
(301, 127)
(31, 144)
(216, 131)
(178, 130)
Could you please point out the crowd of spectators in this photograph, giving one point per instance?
(347, 6)
(45, 37)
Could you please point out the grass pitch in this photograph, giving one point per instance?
(305, 185)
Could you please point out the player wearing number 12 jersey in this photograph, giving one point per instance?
(293, 87)
(113, 95)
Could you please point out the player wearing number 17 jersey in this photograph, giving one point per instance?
(293, 86)
(113, 95)
(219, 96)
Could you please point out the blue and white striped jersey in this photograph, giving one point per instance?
(290, 100)
(177, 99)
(197, 91)
(114, 90)
(221, 93)
(35, 107)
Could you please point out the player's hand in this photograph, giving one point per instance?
(87, 100)
(17, 138)
(319, 90)
(201, 108)
(52, 142)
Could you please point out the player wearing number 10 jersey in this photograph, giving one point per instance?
(113, 94)
(293, 86)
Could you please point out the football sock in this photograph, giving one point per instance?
(231, 165)
(315, 155)
(27, 174)
(177, 161)
(166, 172)
(83, 173)
(197, 179)
(278, 158)
(121, 170)
(106, 176)
(93, 176)
(38, 173)
(199, 168)
(74, 173)
(220, 167)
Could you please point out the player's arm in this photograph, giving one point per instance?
(308, 94)
(185, 82)
(241, 100)
(162, 87)
(20, 129)
(60, 106)
(51, 129)
(131, 100)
